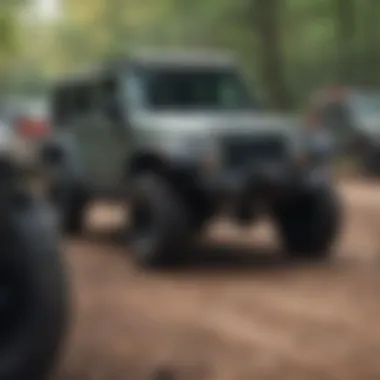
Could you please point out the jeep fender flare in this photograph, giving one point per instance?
(181, 176)
(63, 157)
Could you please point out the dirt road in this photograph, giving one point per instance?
(235, 317)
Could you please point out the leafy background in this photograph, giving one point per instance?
(287, 47)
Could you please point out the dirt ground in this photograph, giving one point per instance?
(242, 313)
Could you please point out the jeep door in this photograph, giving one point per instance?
(107, 133)
(83, 126)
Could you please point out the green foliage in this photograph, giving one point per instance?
(8, 34)
(315, 46)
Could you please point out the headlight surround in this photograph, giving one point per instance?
(201, 150)
(316, 147)
(299, 155)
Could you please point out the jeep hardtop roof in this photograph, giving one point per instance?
(183, 58)
(153, 59)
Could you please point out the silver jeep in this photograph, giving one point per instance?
(181, 137)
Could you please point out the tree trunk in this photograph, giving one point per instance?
(372, 43)
(270, 54)
(345, 34)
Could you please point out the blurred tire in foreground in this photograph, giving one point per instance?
(33, 292)
(33, 287)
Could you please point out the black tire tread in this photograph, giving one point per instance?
(173, 225)
(311, 239)
(31, 236)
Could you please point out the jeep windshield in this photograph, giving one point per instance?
(192, 89)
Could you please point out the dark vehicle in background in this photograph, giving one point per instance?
(353, 116)
(180, 138)
(33, 288)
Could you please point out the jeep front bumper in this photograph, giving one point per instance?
(268, 181)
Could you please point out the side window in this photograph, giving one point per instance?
(61, 106)
(133, 91)
(230, 94)
(83, 100)
(73, 102)
(109, 99)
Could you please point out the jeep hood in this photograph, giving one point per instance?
(197, 124)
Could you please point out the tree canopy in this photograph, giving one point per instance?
(287, 47)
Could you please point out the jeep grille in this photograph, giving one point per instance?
(243, 150)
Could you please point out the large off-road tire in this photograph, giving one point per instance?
(73, 214)
(33, 292)
(370, 163)
(160, 223)
(309, 224)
